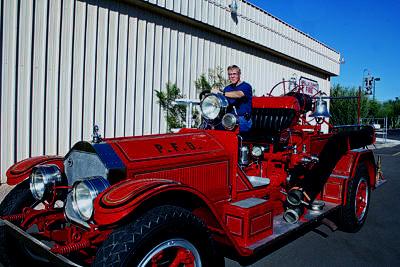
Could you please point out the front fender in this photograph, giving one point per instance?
(120, 200)
(22, 169)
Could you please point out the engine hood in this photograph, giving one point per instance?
(142, 153)
(125, 157)
(153, 147)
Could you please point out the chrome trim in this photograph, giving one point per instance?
(168, 244)
(51, 175)
(80, 164)
(95, 185)
(362, 216)
(222, 105)
(229, 121)
(339, 176)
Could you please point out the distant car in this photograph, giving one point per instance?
(376, 126)
(184, 199)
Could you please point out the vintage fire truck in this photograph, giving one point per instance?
(192, 197)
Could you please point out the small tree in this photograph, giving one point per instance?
(174, 114)
(215, 79)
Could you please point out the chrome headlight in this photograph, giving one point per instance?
(43, 177)
(213, 106)
(257, 151)
(83, 194)
(229, 121)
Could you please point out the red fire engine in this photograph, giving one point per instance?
(187, 198)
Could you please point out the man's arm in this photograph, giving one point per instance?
(234, 94)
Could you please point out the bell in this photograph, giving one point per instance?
(321, 109)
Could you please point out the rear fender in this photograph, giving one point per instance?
(21, 170)
(345, 170)
(366, 157)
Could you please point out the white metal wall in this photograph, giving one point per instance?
(66, 65)
(258, 26)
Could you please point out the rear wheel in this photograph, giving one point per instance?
(164, 236)
(354, 212)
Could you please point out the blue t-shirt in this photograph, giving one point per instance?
(243, 104)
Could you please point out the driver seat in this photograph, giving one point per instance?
(270, 116)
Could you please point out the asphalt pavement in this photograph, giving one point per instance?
(376, 244)
(394, 134)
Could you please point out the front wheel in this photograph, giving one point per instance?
(11, 251)
(164, 236)
(354, 212)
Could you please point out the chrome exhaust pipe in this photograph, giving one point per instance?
(295, 197)
(292, 215)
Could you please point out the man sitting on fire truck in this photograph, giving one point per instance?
(239, 94)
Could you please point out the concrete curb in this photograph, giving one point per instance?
(4, 189)
(380, 143)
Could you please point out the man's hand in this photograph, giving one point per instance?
(215, 91)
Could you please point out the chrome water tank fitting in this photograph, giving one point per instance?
(244, 155)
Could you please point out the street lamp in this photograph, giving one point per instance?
(375, 79)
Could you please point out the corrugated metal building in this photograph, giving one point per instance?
(66, 64)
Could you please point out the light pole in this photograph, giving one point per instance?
(375, 79)
(369, 83)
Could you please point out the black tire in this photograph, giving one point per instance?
(131, 244)
(18, 198)
(351, 218)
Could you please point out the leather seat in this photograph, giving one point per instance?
(268, 124)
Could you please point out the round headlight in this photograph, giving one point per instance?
(256, 151)
(43, 177)
(213, 105)
(229, 121)
(84, 193)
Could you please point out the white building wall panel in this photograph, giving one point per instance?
(67, 65)
(52, 74)
(131, 75)
(8, 82)
(121, 72)
(24, 80)
(78, 72)
(65, 80)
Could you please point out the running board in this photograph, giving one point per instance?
(36, 246)
(282, 229)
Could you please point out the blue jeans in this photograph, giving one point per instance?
(244, 125)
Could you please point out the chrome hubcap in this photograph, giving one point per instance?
(361, 201)
(173, 252)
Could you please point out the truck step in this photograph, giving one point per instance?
(249, 220)
(257, 181)
(282, 229)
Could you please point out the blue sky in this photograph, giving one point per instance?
(366, 33)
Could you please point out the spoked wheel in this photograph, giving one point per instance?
(361, 201)
(164, 236)
(173, 252)
(354, 212)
